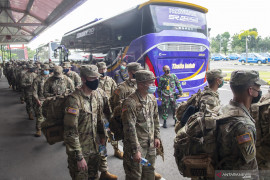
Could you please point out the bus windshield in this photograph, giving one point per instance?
(177, 18)
(54, 45)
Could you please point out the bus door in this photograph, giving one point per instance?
(112, 60)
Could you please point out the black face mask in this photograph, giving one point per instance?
(103, 74)
(256, 99)
(32, 70)
(167, 71)
(133, 75)
(93, 85)
(51, 70)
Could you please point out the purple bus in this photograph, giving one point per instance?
(155, 34)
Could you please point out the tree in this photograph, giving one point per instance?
(225, 37)
(31, 53)
(247, 35)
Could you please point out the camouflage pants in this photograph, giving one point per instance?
(29, 102)
(134, 170)
(23, 95)
(263, 156)
(166, 102)
(40, 118)
(92, 160)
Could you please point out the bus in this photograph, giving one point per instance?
(48, 52)
(155, 33)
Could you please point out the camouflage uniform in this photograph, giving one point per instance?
(38, 86)
(141, 128)
(58, 84)
(83, 126)
(166, 90)
(125, 88)
(236, 135)
(27, 84)
(20, 77)
(73, 75)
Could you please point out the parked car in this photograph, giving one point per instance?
(234, 56)
(218, 57)
(266, 55)
(252, 58)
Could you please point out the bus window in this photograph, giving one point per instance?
(147, 22)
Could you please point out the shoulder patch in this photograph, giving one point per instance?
(117, 91)
(244, 138)
(72, 111)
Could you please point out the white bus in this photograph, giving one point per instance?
(46, 52)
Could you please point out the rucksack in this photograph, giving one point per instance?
(186, 109)
(195, 144)
(115, 124)
(53, 110)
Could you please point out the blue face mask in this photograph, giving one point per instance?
(122, 67)
(65, 70)
(46, 72)
(152, 89)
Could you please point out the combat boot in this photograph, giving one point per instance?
(157, 176)
(107, 176)
(118, 153)
(164, 124)
(31, 116)
(38, 133)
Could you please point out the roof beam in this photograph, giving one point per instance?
(20, 24)
(10, 16)
(15, 36)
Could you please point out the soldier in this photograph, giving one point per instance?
(127, 87)
(27, 82)
(58, 84)
(1, 71)
(236, 135)
(210, 95)
(38, 86)
(71, 74)
(121, 74)
(84, 128)
(167, 94)
(141, 128)
(108, 85)
(20, 76)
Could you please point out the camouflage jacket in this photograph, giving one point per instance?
(83, 123)
(140, 122)
(210, 99)
(76, 79)
(167, 85)
(123, 90)
(236, 139)
(266, 96)
(38, 86)
(27, 80)
(108, 85)
(58, 86)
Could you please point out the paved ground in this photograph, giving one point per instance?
(24, 157)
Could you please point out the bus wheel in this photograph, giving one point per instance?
(259, 62)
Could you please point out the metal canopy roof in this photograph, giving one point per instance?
(23, 20)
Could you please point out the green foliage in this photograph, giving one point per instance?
(31, 53)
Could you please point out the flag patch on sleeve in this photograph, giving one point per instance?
(244, 138)
(72, 111)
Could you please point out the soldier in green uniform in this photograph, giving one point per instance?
(71, 74)
(84, 127)
(236, 135)
(141, 128)
(38, 94)
(108, 85)
(27, 84)
(167, 93)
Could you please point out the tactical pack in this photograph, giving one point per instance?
(116, 125)
(195, 144)
(53, 110)
(186, 109)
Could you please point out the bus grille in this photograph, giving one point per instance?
(181, 47)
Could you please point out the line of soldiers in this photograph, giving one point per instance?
(92, 102)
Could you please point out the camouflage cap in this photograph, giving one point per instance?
(144, 75)
(101, 65)
(51, 66)
(89, 71)
(58, 71)
(45, 66)
(24, 66)
(134, 66)
(66, 65)
(29, 66)
(215, 73)
(243, 77)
